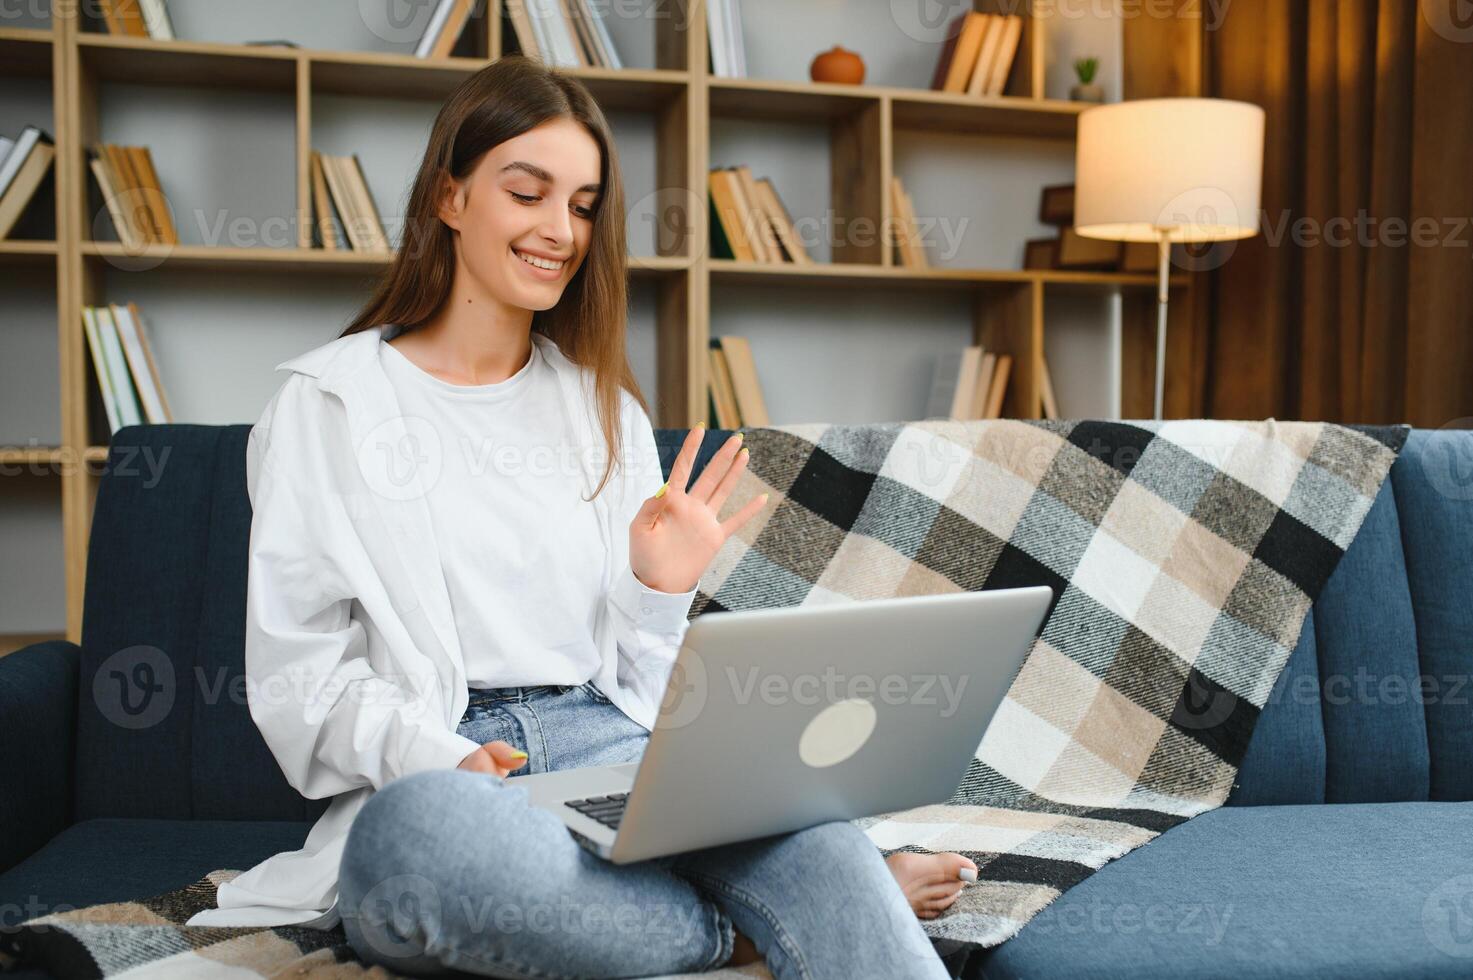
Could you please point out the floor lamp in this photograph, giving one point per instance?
(1167, 171)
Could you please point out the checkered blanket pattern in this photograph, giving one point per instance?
(1183, 557)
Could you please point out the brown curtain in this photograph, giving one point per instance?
(1355, 302)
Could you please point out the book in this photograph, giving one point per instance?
(948, 53)
(724, 39)
(1041, 253)
(555, 37)
(1078, 252)
(759, 225)
(587, 47)
(156, 20)
(720, 244)
(123, 202)
(129, 410)
(730, 214)
(161, 222)
(460, 15)
(1056, 205)
(1046, 391)
(998, 387)
(981, 73)
(782, 223)
(99, 367)
(723, 394)
(1002, 65)
(964, 380)
(607, 52)
(437, 22)
(964, 58)
(751, 406)
(908, 242)
(141, 366)
(365, 199)
(22, 172)
(981, 390)
(521, 28)
(353, 227)
(327, 231)
(123, 17)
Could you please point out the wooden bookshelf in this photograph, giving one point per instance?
(678, 94)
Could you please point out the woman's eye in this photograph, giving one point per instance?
(583, 212)
(524, 198)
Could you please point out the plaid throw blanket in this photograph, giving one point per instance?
(1183, 558)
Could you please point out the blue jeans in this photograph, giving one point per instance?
(450, 872)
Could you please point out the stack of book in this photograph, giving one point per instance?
(127, 374)
(724, 32)
(1071, 250)
(445, 27)
(974, 385)
(909, 248)
(130, 190)
(24, 163)
(736, 396)
(749, 221)
(978, 54)
(566, 34)
(338, 180)
(136, 18)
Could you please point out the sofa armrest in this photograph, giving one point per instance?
(38, 733)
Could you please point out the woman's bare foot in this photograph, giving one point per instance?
(929, 881)
(743, 952)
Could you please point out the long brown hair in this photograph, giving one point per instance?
(497, 103)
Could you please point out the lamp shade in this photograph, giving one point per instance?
(1191, 169)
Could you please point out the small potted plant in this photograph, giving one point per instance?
(1087, 90)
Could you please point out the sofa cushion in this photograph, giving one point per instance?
(1363, 890)
(163, 726)
(113, 860)
(1374, 704)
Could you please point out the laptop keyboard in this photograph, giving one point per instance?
(607, 810)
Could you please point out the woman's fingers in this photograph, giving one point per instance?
(680, 469)
(728, 482)
(730, 525)
(716, 471)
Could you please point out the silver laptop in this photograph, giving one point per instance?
(779, 719)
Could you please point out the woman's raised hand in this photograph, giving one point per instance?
(676, 533)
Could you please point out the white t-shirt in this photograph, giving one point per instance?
(521, 551)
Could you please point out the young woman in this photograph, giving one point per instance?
(496, 617)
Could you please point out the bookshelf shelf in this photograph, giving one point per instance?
(314, 260)
(22, 252)
(31, 455)
(862, 274)
(25, 52)
(921, 109)
(368, 73)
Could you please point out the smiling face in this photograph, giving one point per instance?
(525, 213)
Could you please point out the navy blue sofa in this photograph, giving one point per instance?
(1346, 850)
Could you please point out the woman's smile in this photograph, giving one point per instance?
(547, 270)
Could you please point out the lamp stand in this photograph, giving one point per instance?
(1163, 263)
